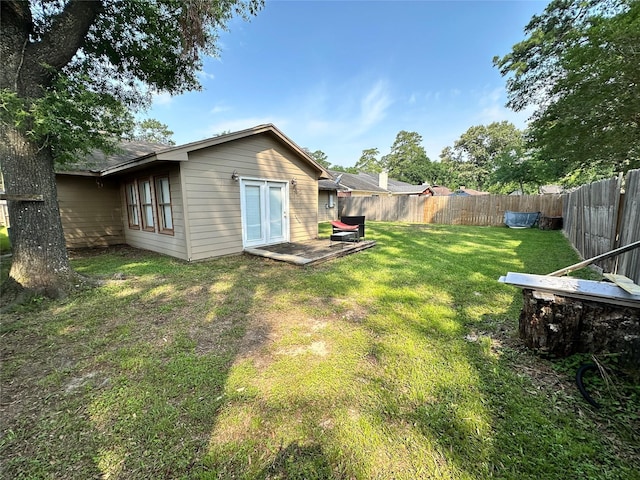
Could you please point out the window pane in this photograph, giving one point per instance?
(134, 215)
(163, 200)
(275, 211)
(164, 190)
(252, 203)
(166, 217)
(148, 215)
(146, 205)
(132, 205)
(146, 192)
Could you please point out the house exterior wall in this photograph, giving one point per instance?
(326, 213)
(90, 211)
(367, 193)
(213, 198)
(174, 245)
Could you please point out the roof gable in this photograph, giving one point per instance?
(135, 154)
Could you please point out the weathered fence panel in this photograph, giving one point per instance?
(487, 209)
(384, 209)
(591, 215)
(598, 218)
(481, 210)
(629, 231)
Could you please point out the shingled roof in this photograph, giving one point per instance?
(132, 154)
(369, 182)
(127, 151)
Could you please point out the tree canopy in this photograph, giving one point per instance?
(579, 67)
(476, 155)
(408, 160)
(152, 130)
(369, 161)
(319, 156)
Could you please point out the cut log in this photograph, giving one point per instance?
(550, 223)
(561, 326)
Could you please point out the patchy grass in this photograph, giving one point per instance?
(5, 245)
(399, 362)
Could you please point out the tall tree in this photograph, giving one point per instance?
(71, 72)
(320, 157)
(579, 68)
(152, 130)
(408, 159)
(516, 167)
(474, 155)
(340, 168)
(369, 161)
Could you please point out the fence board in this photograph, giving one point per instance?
(596, 218)
(481, 210)
(591, 217)
(629, 263)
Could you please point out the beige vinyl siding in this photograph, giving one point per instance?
(326, 214)
(366, 193)
(90, 210)
(174, 245)
(214, 198)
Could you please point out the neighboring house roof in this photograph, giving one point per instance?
(369, 182)
(363, 182)
(551, 189)
(408, 189)
(439, 191)
(136, 154)
(328, 185)
(462, 191)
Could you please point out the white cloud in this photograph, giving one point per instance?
(220, 109)
(374, 105)
(206, 75)
(492, 109)
(161, 98)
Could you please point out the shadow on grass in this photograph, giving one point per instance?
(242, 367)
(125, 380)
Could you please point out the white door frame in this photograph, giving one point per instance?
(265, 236)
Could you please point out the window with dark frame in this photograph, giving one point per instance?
(146, 205)
(163, 202)
(132, 205)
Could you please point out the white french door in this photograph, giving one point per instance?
(264, 212)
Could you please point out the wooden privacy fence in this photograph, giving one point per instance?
(482, 210)
(599, 217)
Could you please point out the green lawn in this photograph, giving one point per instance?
(5, 246)
(399, 362)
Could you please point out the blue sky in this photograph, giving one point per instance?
(344, 76)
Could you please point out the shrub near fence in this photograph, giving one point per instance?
(482, 210)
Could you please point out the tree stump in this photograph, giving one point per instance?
(561, 326)
(550, 223)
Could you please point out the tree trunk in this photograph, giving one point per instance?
(29, 64)
(561, 326)
(40, 260)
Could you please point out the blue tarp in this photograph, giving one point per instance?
(521, 219)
